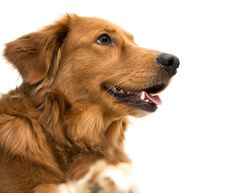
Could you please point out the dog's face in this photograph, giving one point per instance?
(98, 63)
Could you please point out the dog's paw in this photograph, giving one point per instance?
(103, 178)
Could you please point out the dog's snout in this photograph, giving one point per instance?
(168, 62)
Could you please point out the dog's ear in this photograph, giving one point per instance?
(34, 54)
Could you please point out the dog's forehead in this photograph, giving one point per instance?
(104, 25)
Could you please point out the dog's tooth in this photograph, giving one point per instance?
(142, 96)
(114, 89)
(154, 94)
(146, 100)
(121, 91)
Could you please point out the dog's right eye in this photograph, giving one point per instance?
(105, 39)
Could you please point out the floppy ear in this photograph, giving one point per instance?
(33, 54)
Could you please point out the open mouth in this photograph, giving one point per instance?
(145, 99)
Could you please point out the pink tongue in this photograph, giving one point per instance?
(154, 99)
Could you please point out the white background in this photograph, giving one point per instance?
(188, 145)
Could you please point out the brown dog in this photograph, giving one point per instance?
(82, 77)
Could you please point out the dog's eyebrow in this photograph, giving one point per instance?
(110, 30)
(127, 34)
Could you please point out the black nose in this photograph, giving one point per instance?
(169, 63)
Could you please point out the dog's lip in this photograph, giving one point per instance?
(146, 99)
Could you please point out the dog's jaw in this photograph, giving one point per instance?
(143, 99)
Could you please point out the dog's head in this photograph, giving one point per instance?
(93, 61)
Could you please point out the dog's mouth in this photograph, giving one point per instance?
(145, 99)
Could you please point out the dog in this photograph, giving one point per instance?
(82, 78)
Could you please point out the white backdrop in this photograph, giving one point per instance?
(188, 145)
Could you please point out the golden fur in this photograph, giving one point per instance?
(59, 122)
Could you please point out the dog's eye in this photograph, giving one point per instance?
(104, 39)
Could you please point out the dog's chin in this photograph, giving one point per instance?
(140, 100)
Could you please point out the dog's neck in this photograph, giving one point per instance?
(77, 124)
